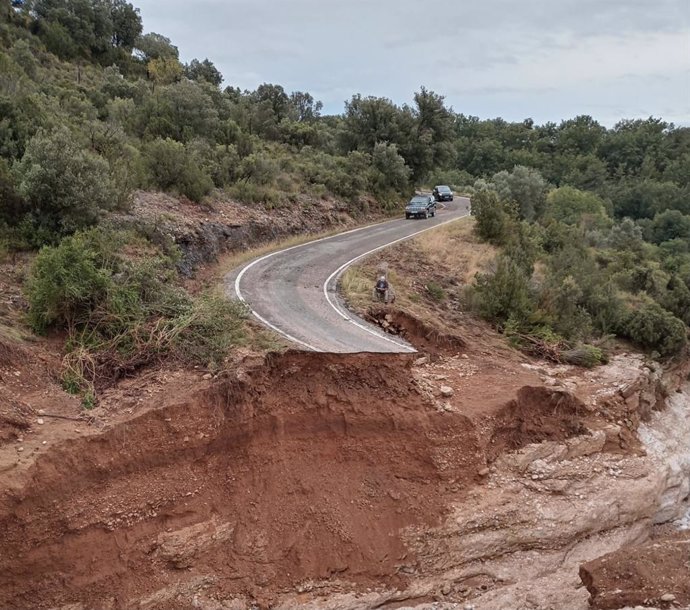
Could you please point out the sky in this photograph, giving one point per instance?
(548, 60)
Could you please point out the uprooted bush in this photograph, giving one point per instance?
(116, 296)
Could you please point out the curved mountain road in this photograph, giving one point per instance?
(293, 291)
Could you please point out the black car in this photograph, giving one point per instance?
(421, 206)
(443, 193)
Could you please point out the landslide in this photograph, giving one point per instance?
(306, 467)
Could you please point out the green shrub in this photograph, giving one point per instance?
(504, 294)
(117, 297)
(652, 327)
(436, 292)
(206, 333)
(66, 283)
(171, 168)
(247, 192)
(492, 220)
(584, 355)
(65, 187)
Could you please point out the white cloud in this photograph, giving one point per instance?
(539, 58)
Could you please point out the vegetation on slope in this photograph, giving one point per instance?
(92, 108)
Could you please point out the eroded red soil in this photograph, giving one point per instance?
(309, 466)
(655, 573)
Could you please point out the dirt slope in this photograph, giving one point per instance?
(309, 467)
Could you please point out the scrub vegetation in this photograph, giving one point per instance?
(93, 108)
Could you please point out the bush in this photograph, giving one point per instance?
(652, 327)
(65, 284)
(66, 188)
(117, 298)
(504, 294)
(492, 220)
(172, 168)
(523, 186)
(584, 355)
(572, 206)
(436, 292)
(213, 325)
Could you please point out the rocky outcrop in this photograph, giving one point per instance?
(549, 507)
(181, 547)
(204, 232)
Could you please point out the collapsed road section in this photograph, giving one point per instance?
(293, 291)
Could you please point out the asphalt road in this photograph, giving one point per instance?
(293, 291)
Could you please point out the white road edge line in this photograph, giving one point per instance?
(336, 274)
(288, 336)
(263, 320)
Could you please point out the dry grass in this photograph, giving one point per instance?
(429, 272)
(457, 248)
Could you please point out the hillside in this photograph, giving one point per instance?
(159, 449)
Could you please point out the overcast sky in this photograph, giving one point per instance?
(545, 59)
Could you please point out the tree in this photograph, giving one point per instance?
(580, 136)
(668, 225)
(203, 70)
(164, 70)
(572, 206)
(389, 169)
(181, 111)
(524, 186)
(275, 98)
(172, 168)
(435, 129)
(65, 187)
(652, 327)
(626, 147)
(74, 27)
(155, 46)
(370, 120)
(634, 198)
(126, 22)
(626, 236)
(304, 106)
(490, 215)
(504, 294)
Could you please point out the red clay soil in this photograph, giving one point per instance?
(27, 385)
(307, 467)
(656, 573)
(424, 337)
(535, 415)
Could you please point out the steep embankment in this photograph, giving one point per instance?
(310, 478)
(236, 463)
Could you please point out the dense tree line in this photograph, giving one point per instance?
(92, 108)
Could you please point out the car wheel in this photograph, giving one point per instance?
(426, 215)
(407, 216)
